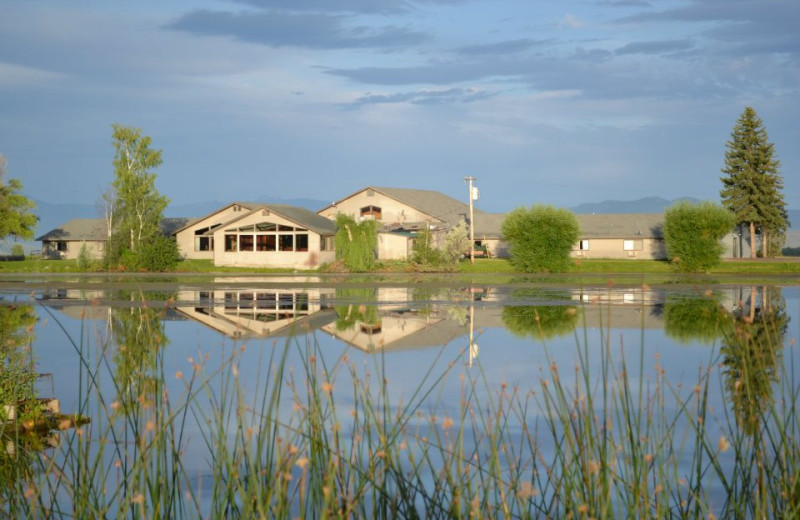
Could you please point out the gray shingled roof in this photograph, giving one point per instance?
(91, 229)
(301, 216)
(94, 229)
(621, 225)
(605, 225)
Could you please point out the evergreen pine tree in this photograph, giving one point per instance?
(752, 187)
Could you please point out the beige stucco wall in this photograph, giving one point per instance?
(96, 249)
(185, 238)
(613, 248)
(392, 211)
(392, 246)
(310, 259)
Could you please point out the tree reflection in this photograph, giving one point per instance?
(17, 375)
(540, 322)
(139, 333)
(752, 352)
(347, 316)
(689, 318)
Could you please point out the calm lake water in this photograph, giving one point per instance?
(420, 343)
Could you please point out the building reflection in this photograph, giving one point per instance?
(373, 318)
(257, 313)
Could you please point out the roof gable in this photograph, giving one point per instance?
(433, 203)
(301, 216)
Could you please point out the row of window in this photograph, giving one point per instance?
(627, 245)
(266, 242)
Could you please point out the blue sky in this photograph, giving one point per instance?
(558, 102)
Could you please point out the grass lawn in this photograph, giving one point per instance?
(778, 266)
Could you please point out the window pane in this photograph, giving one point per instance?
(302, 243)
(627, 245)
(230, 243)
(285, 228)
(286, 242)
(245, 242)
(265, 242)
(266, 226)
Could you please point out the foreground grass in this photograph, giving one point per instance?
(579, 442)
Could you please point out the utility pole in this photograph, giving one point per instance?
(471, 227)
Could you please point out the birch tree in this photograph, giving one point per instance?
(138, 206)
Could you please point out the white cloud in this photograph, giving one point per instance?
(18, 76)
(570, 21)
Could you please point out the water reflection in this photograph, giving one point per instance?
(139, 334)
(752, 352)
(739, 334)
(257, 313)
(540, 321)
(702, 318)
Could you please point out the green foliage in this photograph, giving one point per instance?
(138, 206)
(84, 260)
(424, 251)
(17, 375)
(752, 188)
(456, 241)
(541, 238)
(17, 250)
(16, 217)
(356, 242)
(159, 254)
(693, 234)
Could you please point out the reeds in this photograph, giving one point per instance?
(326, 438)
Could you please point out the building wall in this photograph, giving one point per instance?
(392, 211)
(95, 248)
(186, 237)
(310, 259)
(650, 249)
(392, 246)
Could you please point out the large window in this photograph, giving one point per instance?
(266, 237)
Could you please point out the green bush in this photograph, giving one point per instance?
(157, 254)
(541, 238)
(18, 250)
(84, 260)
(424, 251)
(693, 235)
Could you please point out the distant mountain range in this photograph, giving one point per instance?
(645, 205)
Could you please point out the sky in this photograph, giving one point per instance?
(542, 101)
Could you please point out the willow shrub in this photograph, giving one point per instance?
(693, 235)
(356, 242)
(541, 238)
